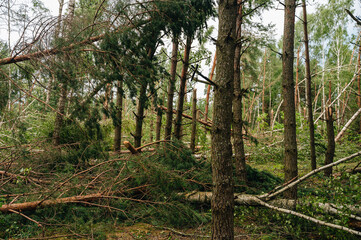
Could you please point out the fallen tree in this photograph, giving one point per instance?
(26, 206)
(281, 205)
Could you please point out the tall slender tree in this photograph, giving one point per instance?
(309, 89)
(290, 144)
(222, 200)
(240, 158)
(171, 86)
(182, 88)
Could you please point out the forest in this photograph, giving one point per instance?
(180, 119)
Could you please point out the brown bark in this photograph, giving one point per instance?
(297, 74)
(139, 116)
(107, 98)
(358, 82)
(240, 158)
(330, 153)
(194, 121)
(27, 206)
(171, 86)
(264, 82)
(182, 88)
(308, 90)
(118, 116)
(223, 199)
(130, 147)
(158, 124)
(290, 143)
(209, 88)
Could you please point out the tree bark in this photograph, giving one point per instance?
(171, 86)
(290, 143)
(330, 153)
(194, 121)
(308, 90)
(240, 158)
(209, 88)
(158, 124)
(222, 201)
(182, 88)
(358, 83)
(139, 116)
(118, 116)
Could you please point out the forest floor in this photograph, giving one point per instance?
(142, 231)
(143, 205)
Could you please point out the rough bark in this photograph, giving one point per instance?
(330, 153)
(27, 206)
(240, 158)
(139, 116)
(358, 83)
(194, 121)
(158, 124)
(171, 86)
(209, 88)
(118, 116)
(308, 89)
(182, 88)
(222, 200)
(290, 144)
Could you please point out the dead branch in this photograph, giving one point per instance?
(320, 222)
(23, 215)
(16, 176)
(187, 116)
(269, 196)
(282, 205)
(26, 206)
(339, 135)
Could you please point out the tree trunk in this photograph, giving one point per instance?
(330, 153)
(240, 158)
(107, 98)
(158, 124)
(151, 121)
(308, 90)
(349, 122)
(264, 81)
(63, 88)
(140, 115)
(171, 86)
(182, 87)
(223, 199)
(209, 88)
(290, 143)
(358, 82)
(118, 116)
(60, 113)
(194, 121)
